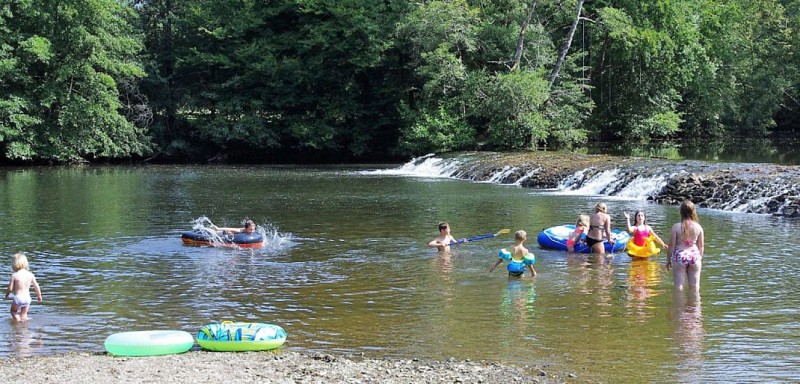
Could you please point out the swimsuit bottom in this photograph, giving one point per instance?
(515, 274)
(570, 243)
(592, 241)
(687, 256)
(22, 300)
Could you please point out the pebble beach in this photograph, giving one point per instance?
(199, 366)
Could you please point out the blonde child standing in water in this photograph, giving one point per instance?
(20, 285)
(517, 256)
(575, 237)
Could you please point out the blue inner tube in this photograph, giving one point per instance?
(238, 238)
(556, 238)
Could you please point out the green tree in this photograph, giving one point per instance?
(297, 78)
(67, 75)
(483, 69)
(789, 114)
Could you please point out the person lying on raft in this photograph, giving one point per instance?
(249, 227)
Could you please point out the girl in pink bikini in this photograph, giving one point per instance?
(687, 243)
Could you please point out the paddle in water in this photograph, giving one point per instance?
(487, 236)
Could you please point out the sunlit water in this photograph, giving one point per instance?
(346, 270)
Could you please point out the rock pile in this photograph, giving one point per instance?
(752, 188)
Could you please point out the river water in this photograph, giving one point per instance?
(346, 270)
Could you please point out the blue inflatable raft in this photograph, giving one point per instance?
(556, 238)
(240, 240)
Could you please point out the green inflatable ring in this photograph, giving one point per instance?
(149, 343)
(238, 337)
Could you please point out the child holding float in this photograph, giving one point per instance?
(21, 281)
(641, 245)
(517, 256)
(580, 226)
(445, 239)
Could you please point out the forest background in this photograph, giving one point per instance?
(369, 80)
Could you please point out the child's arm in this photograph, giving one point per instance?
(491, 269)
(436, 243)
(10, 287)
(661, 242)
(701, 241)
(673, 238)
(628, 221)
(608, 231)
(533, 271)
(37, 289)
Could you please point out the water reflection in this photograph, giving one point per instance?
(25, 342)
(519, 300)
(593, 275)
(644, 275)
(687, 333)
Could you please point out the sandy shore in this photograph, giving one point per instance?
(262, 367)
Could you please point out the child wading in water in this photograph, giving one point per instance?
(20, 285)
(641, 230)
(443, 241)
(517, 256)
(580, 226)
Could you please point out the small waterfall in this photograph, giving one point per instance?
(424, 166)
(603, 183)
(731, 187)
(527, 176)
(502, 175)
(643, 186)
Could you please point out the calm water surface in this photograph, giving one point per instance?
(346, 270)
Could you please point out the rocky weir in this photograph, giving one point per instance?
(741, 187)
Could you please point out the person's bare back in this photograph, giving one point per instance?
(20, 285)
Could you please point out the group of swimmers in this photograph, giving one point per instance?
(686, 243)
(684, 251)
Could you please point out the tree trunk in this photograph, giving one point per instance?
(521, 39)
(567, 44)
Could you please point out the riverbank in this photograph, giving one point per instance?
(262, 367)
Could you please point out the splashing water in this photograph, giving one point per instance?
(274, 240)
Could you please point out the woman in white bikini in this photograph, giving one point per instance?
(687, 242)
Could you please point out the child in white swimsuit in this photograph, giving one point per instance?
(21, 281)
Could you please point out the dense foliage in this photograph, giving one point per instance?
(346, 80)
(68, 70)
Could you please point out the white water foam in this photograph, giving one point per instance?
(501, 175)
(425, 166)
(273, 239)
(527, 176)
(611, 183)
(600, 184)
(642, 187)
